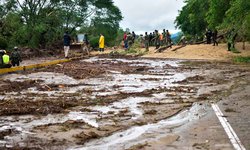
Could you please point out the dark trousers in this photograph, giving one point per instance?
(15, 63)
(215, 42)
(101, 50)
(208, 40)
(157, 46)
(125, 44)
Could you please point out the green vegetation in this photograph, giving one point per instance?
(41, 23)
(241, 59)
(3, 43)
(134, 50)
(197, 15)
(234, 50)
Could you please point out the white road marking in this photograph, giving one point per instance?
(229, 130)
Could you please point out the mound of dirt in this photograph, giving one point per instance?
(201, 52)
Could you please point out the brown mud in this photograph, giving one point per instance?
(98, 97)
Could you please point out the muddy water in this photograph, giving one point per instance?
(114, 109)
(141, 134)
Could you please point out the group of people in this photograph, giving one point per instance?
(156, 39)
(7, 61)
(128, 39)
(212, 36)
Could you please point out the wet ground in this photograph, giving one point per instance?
(111, 103)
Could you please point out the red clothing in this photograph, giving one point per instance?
(124, 37)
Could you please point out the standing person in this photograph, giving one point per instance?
(130, 40)
(146, 41)
(15, 57)
(209, 35)
(85, 45)
(157, 39)
(153, 39)
(161, 39)
(133, 37)
(141, 40)
(169, 41)
(164, 37)
(66, 42)
(125, 40)
(6, 60)
(215, 37)
(150, 39)
(2, 52)
(231, 37)
(101, 43)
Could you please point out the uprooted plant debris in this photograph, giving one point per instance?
(130, 93)
(82, 70)
(14, 86)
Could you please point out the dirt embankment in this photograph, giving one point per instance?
(201, 52)
(197, 52)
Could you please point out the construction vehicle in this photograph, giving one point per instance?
(81, 43)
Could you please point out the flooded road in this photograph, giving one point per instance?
(140, 134)
(104, 103)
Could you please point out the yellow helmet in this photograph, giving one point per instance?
(4, 51)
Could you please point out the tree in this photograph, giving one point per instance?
(237, 17)
(44, 21)
(217, 12)
(225, 15)
(106, 20)
(191, 19)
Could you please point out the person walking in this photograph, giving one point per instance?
(15, 57)
(101, 43)
(66, 42)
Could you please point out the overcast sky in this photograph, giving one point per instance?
(148, 15)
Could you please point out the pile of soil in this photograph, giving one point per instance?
(201, 52)
(28, 53)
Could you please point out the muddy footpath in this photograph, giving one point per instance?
(109, 103)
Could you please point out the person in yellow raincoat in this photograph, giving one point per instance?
(101, 43)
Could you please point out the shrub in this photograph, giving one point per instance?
(94, 41)
(240, 59)
(3, 43)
